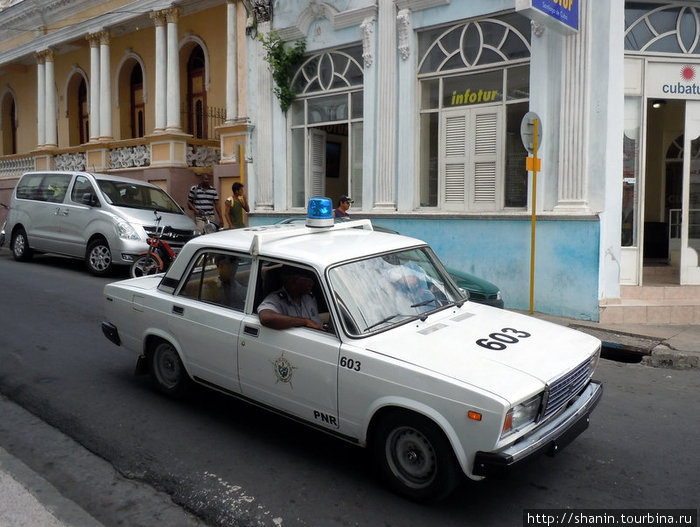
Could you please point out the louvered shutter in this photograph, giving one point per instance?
(317, 163)
(453, 159)
(485, 159)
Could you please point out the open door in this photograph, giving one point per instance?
(690, 214)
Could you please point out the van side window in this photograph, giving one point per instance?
(29, 187)
(55, 186)
(81, 187)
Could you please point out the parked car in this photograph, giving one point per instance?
(100, 218)
(435, 386)
(480, 290)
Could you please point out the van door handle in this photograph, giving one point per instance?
(178, 310)
(65, 212)
(250, 330)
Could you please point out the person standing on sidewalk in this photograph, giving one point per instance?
(236, 207)
(202, 201)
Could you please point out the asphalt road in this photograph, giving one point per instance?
(233, 464)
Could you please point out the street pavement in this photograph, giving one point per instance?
(28, 500)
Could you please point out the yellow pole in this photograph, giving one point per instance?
(534, 216)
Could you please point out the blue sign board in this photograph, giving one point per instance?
(564, 11)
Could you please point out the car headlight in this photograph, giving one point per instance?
(126, 231)
(521, 415)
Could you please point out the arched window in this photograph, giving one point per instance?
(474, 90)
(196, 94)
(327, 127)
(655, 28)
(137, 103)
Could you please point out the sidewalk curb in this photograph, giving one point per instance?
(46, 499)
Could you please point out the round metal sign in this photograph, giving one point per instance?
(527, 131)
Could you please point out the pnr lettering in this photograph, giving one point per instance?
(325, 418)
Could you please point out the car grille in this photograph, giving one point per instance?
(176, 238)
(560, 391)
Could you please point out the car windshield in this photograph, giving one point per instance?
(375, 293)
(135, 196)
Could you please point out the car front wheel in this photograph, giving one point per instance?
(167, 372)
(99, 258)
(414, 457)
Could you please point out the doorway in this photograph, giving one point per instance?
(671, 234)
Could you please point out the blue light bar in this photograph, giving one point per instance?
(320, 213)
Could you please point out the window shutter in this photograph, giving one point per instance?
(317, 162)
(453, 159)
(485, 159)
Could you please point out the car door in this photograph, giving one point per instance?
(206, 315)
(44, 210)
(76, 216)
(294, 370)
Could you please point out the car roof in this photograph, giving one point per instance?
(97, 175)
(318, 247)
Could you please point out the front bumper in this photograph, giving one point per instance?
(548, 439)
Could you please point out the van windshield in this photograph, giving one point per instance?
(135, 196)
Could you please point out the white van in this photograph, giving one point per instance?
(102, 218)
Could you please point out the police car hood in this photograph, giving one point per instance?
(518, 354)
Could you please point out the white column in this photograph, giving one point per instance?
(385, 183)
(264, 195)
(51, 132)
(161, 71)
(173, 72)
(40, 100)
(231, 63)
(105, 88)
(575, 108)
(94, 123)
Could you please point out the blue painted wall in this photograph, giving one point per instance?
(498, 250)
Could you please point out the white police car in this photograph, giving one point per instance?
(433, 384)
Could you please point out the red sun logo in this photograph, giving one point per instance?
(688, 73)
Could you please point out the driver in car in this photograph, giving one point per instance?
(292, 305)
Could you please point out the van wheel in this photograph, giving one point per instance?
(99, 258)
(414, 457)
(20, 246)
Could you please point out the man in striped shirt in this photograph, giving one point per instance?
(202, 200)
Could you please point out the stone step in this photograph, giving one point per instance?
(661, 292)
(641, 311)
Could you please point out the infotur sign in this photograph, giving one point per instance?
(560, 15)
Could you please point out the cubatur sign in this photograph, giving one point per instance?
(670, 80)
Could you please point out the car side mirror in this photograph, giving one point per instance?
(90, 199)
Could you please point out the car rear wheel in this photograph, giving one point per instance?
(167, 372)
(20, 246)
(99, 257)
(414, 457)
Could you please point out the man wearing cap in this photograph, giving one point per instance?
(343, 205)
(293, 305)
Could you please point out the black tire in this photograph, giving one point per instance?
(414, 457)
(99, 257)
(145, 265)
(167, 371)
(20, 246)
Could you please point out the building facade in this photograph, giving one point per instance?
(414, 109)
(148, 89)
